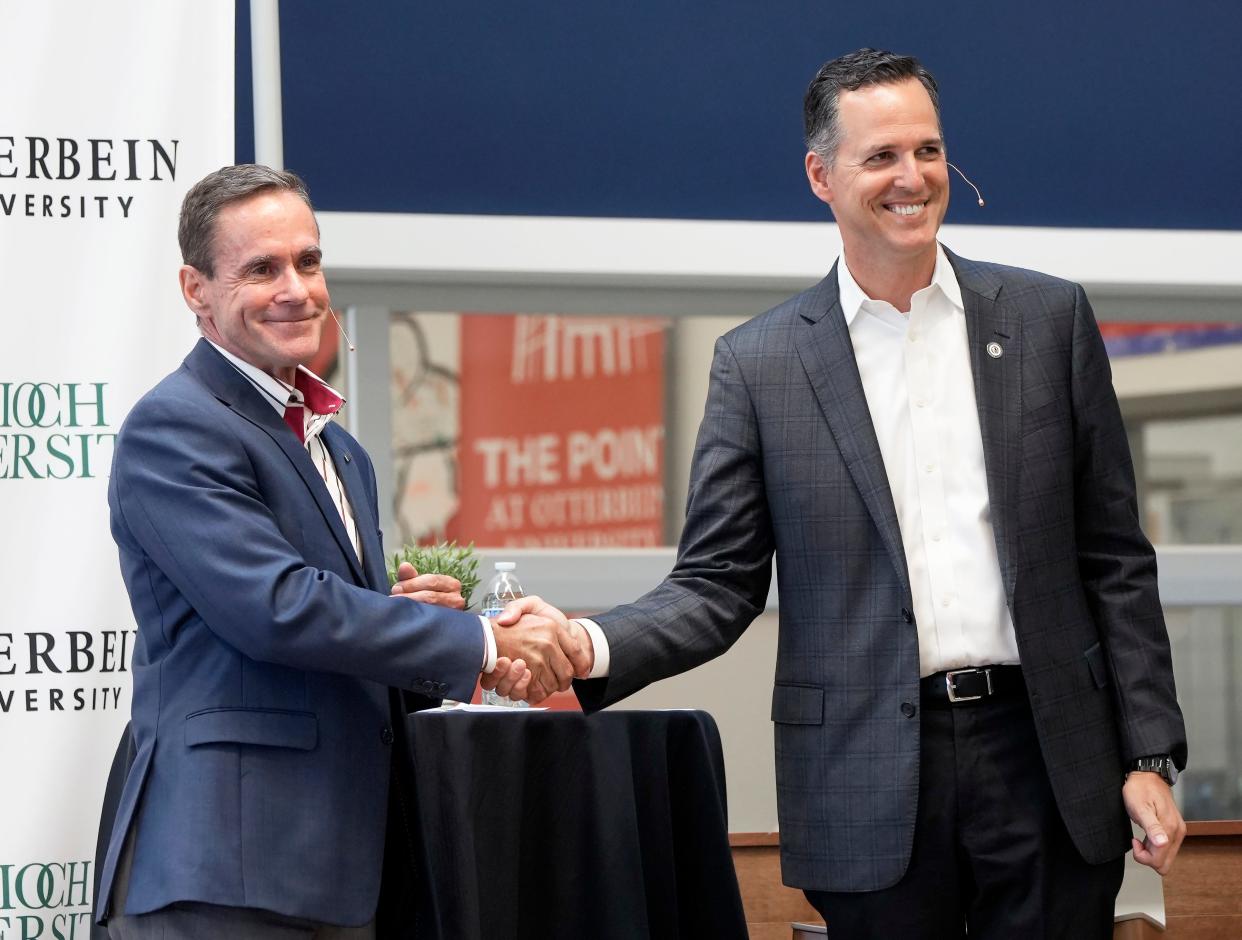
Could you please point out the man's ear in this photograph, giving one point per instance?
(818, 176)
(193, 289)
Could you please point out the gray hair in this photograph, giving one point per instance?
(214, 192)
(849, 73)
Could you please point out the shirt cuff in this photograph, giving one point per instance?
(489, 646)
(600, 643)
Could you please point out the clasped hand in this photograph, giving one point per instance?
(539, 651)
(439, 589)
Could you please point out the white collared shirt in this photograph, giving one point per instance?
(917, 379)
(280, 396)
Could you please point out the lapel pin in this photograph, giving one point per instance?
(995, 351)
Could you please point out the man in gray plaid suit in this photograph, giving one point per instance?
(973, 681)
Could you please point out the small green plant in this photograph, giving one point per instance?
(456, 561)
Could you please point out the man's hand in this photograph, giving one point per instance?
(580, 640)
(510, 678)
(553, 649)
(428, 588)
(1149, 801)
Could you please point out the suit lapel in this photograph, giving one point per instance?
(346, 463)
(828, 358)
(235, 391)
(992, 326)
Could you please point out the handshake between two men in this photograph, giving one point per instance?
(538, 650)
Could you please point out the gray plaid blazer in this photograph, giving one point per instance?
(787, 463)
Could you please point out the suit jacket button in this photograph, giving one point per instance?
(907, 709)
(386, 735)
(906, 615)
(347, 456)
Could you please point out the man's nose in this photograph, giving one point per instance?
(909, 173)
(293, 288)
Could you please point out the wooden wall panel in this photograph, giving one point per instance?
(1203, 892)
(770, 906)
(1202, 895)
(1138, 928)
(1204, 927)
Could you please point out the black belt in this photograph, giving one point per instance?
(973, 686)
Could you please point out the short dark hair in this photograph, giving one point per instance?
(201, 207)
(849, 73)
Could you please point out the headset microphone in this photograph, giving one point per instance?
(353, 348)
(969, 183)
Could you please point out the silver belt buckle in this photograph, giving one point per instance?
(949, 678)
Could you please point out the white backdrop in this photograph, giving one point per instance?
(108, 113)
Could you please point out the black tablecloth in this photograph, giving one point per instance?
(554, 825)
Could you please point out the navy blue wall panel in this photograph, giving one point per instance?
(1065, 113)
(243, 103)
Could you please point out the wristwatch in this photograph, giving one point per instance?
(1161, 764)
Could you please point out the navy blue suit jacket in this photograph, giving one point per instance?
(264, 655)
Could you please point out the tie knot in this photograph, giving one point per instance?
(311, 402)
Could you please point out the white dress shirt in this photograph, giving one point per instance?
(917, 379)
(281, 396)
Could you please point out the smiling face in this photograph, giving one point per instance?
(268, 300)
(888, 185)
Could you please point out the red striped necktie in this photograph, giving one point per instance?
(318, 397)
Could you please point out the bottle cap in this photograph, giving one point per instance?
(506, 565)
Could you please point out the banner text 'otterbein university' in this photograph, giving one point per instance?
(111, 112)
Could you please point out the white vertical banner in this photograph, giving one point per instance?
(109, 112)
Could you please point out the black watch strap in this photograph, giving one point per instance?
(1161, 764)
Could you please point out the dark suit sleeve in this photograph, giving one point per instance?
(189, 499)
(719, 583)
(1116, 562)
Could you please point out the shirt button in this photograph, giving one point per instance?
(913, 336)
(936, 537)
(386, 735)
(930, 468)
(920, 404)
(945, 602)
(908, 709)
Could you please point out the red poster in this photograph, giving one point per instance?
(562, 431)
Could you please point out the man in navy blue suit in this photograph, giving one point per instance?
(269, 646)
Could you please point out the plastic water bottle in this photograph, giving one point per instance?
(503, 587)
